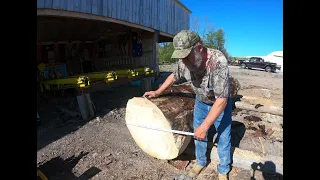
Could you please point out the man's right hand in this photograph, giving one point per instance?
(151, 94)
(168, 82)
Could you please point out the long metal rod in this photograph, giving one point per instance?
(162, 129)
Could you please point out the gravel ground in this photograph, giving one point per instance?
(246, 77)
(102, 148)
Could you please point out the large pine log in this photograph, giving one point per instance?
(173, 110)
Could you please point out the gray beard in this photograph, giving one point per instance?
(196, 68)
(198, 59)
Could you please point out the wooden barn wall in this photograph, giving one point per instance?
(164, 15)
(146, 58)
(107, 56)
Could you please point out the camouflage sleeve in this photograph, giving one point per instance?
(179, 72)
(220, 77)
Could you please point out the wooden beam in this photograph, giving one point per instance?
(63, 13)
(154, 49)
(130, 44)
(264, 109)
(166, 34)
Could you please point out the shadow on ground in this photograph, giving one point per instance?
(237, 133)
(55, 125)
(268, 170)
(58, 168)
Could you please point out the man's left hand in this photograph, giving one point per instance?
(200, 133)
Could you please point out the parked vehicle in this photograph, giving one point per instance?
(259, 63)
(239, 61)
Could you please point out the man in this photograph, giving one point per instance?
(207, 70)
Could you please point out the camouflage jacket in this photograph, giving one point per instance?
(214, 83)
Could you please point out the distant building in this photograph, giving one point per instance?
(275, 57)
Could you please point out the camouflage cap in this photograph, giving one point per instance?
(183, 42)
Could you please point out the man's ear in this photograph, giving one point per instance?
(200, 47)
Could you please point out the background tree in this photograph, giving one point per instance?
(211, 38)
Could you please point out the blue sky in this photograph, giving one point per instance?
(252, 27)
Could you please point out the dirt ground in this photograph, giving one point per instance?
(69, 148)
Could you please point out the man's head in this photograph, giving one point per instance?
(183, 43)
(187, 45)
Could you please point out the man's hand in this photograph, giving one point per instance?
(200, 133)
(167, 83)
(151, 94)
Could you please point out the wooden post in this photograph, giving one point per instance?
(130, 44)
(130, 58)
(155, 38)
(85, 105)
(145, 84)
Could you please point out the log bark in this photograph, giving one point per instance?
(264, 109)
(234, 86)
(272, 118)
(172, 110)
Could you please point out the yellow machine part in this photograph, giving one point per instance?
(83, 80)
(111, 76)
(148, 71)
(132, 73)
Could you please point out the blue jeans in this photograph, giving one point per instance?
(223, 126)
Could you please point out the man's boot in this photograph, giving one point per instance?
(223, 177)
(195, 171)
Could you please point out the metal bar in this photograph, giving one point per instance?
(70, 80)
(106, 76)
(97, 75)
(162, 129)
